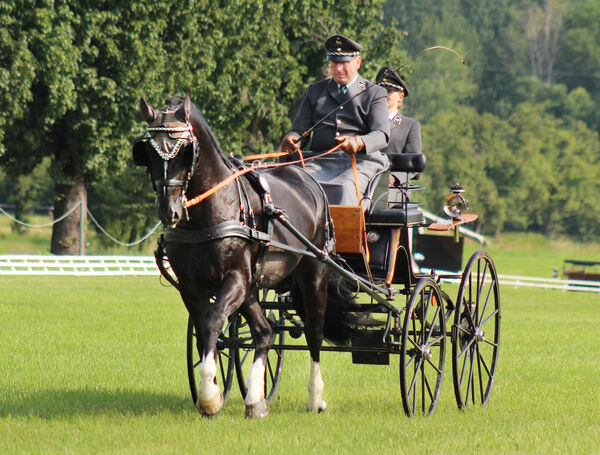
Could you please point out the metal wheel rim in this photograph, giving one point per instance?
(476, 332)
(420, 376)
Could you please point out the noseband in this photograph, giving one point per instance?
(186, 135)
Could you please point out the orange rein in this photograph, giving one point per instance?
(197, 199)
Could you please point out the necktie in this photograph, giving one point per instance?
(342, 89)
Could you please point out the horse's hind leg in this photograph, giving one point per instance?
(314, 295)
(256, 405)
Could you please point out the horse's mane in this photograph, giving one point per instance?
(174, 102)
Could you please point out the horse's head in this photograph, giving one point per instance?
(169, 150)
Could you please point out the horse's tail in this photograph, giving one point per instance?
(343, 318)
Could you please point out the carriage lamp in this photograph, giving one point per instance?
(455, 204)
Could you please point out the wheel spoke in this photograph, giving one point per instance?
(435, 316)
(429, 389)
(479, 371)
(422, 387)
(469, 379)
(246, 353)
(436, 340)
(469, 312)
(412, 357)
(482, 360)
(489, 317)
(414, 380)
(491, 343)
(487, 299)
(434, 366)
(462, 373)
(467, 346)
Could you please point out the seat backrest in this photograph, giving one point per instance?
(407, 162)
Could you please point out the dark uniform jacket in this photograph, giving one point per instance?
(365, 115)
(405, 136)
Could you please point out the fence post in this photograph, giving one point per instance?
(82, 216)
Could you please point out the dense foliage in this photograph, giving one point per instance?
(516, 124)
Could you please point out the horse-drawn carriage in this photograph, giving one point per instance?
(295, 259)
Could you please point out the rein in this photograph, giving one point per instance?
(196, 200)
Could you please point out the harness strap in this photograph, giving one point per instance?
(232, 228)
(227, 229)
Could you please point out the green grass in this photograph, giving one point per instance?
(97, 365)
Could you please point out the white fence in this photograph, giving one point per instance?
(550, 283)
(145, 265)
(77, 265)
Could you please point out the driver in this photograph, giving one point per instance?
(359, 122)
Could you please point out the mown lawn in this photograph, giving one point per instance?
(97, 365)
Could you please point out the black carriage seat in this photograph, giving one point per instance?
(397, 210)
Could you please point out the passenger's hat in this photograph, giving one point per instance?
(390, 80)
(341, 49)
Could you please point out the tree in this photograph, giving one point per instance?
(75, 70)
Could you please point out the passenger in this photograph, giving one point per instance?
(405, 137)
(405, 132)
(351, 111)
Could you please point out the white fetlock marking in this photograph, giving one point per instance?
(256, 382)
(315, 388)
(208, 390)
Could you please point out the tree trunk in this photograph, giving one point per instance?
(66, 233)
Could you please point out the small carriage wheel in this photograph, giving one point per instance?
(224, 361)
(423, 348)
(476, 331)
(244, 355)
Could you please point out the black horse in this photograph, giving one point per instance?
(216, 252)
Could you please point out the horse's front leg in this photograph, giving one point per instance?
(256, 405)
(228, 300)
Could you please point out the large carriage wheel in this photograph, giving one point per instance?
(244, 356)
(423, 349)
(224, 361)
(476, 331)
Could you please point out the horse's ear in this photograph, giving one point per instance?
(184, 111)
(147, 110)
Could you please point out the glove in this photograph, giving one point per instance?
(351, 144)
(290, 143)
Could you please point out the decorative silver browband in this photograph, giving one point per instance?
(187, 135)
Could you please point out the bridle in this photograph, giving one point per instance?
(187, 135)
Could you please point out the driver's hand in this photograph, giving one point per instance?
(351, 144)
(290, 143)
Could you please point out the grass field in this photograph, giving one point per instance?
(97, 365)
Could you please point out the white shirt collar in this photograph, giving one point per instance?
(393, 114)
